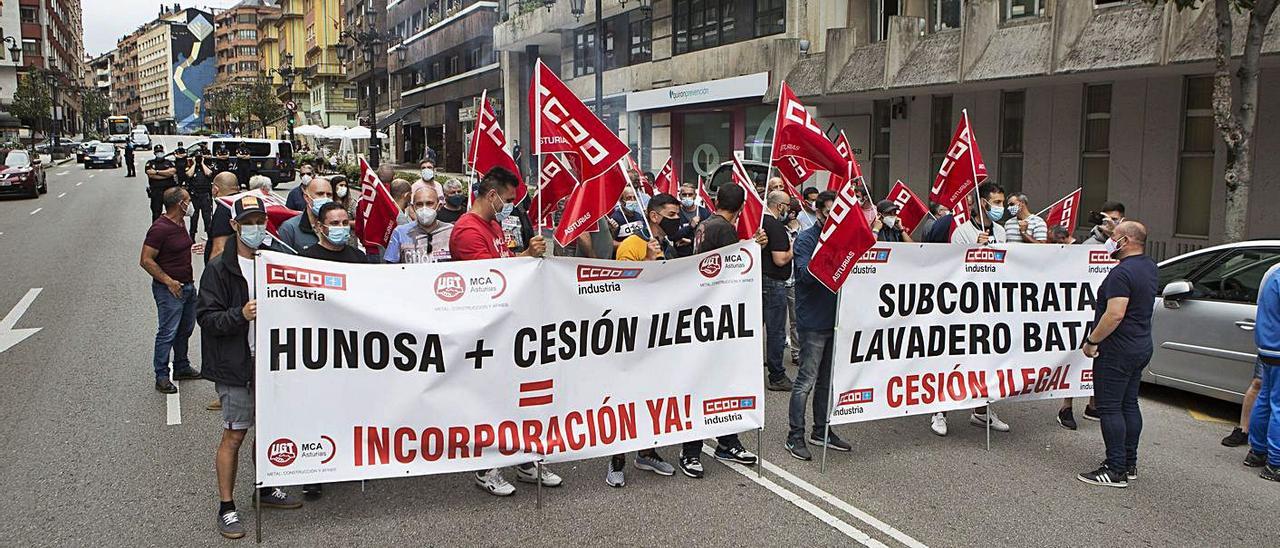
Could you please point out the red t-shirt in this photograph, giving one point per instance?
(173, 248)
(475, 238)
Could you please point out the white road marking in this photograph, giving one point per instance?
(80, 183)
(173, 407)
(92, 175)
(843, 506)
(37, 210)
(10, 336)
(813, 510)
(63, 194)
(60, 173)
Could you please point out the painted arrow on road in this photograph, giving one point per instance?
(10, 336)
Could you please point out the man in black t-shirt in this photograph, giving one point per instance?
(243, 167)
(128, 159)
(201, 187)
(219, 229)
(161, 176)
(775, 265)
(714, 233)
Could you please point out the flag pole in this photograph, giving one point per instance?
(1060, 200)
(973, 166)
(644, 217)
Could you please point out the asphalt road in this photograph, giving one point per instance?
(89, 456)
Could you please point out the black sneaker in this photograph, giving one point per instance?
(1104, 477)
(188, 374)
(1091, 413)
(833, 442)
(1237, 438)
(163, 386)
(1270, 473)
(1255, 459)
(735, 454)
(275, 497)
(1067, 419)
(691, 466)
(1131, 474)
(780, 385)
(798, 450)
(311, 491)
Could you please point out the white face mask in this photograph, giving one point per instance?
(306, 178)
(1112, 246)
(342, 192)
(190, 210)
(426, 216)
(891, 221)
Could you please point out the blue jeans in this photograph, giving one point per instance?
(177, 319)
(1264, 423)
(814, 376)
(1115, 388)
(775, 326)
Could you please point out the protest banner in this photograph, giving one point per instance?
(926, 328)
(482, 364)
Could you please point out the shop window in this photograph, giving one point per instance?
(705, 143)
(758, 137)
(1012, 117)
(1095, 155)
(945, 14)
(880, 143)
(940, 130)
(1195, 158)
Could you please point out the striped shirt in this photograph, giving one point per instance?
(1035, 225)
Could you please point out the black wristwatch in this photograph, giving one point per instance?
(1089, 342)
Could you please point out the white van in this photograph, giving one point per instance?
(270, 157)
(139, 136)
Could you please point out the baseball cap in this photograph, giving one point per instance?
(887, 206)
(158, 148)
(247, 205)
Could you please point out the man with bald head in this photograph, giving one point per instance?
(1120, 345)
(425, 239)
(219, 229)
(299, 232)
(776, 267)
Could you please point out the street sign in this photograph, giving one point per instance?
(290, 106)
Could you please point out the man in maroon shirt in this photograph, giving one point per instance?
(166, 256)
(478, 235)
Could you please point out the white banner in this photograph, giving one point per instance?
(374, 371)
(923, 328)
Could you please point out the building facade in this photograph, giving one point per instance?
(332, 98)
(281, 37)
(125, 100)
(98, 73)
(368, 74)
(53, 39)
(445, 61)
(235, 39)
(176, 63)
(1112, 96)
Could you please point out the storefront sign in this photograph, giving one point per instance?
(738, 87)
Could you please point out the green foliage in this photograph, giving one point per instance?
(31, 101)
(260, 101)
(95, 107)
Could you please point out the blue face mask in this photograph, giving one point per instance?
(1013, 211)
(995, 213)
(504, 213)
(686, 202)
(338, 235)
(633, 206)
(318, 203)
(252, 235)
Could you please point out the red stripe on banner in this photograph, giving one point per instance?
(535, 400)
(536, 385)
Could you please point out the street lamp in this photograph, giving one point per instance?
(15, 49)
(51, 78)
(287, 74)
(370, 40)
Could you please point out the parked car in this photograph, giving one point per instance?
(65, 146)
(22, 174)
(271, 157)
(84, 149)
(103, 154)
(1203, 324)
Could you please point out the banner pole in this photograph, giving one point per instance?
(831, 387)
(257, 510)
(988, 426)
(759, 452)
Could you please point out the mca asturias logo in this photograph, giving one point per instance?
(284, 452)
(983, 259)
(596, 279)
(451, 286)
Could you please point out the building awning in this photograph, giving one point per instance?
(724, 89)
(396, 116)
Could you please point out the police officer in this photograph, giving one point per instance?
(161, 176)
(128, 158)
(200, 184)
(219, 163)
(183, 165)
(243, 166)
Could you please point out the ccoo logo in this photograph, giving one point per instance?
(984, 255)
(450, 286)
(282, 452)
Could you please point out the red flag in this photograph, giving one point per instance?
(911, 209)
(277, 213)
(752, 215)
(796, 134)
(489, 146)
(546, 138)
(558, 112)
(1065, 212)
(836, 182)
(554, 183)
(793, 170)
(844, 239)
(666, 182)
(375, 210)
(646, 186)
(962, 169)
(706, 199)
(589, 203)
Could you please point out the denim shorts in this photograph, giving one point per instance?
(237, 406)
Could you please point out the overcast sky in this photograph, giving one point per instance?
(105, 21)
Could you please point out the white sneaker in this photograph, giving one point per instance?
(493, 482)
(980, 419)
(529, 475)
(939, 425)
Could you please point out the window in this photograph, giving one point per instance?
(1237, 277)
(882, 10)
(1195, 158)
(28, 14)
(1012, 116)
(1017, 9)
(1105, 3)
(880, 142)
(455, 66)
(584, 49)
(641, 38)
(945, 14)
(415, 24)
(1182, 269)
(702, 24)
(474, 58)
(349, 93)
(771, 17)
(1095, 156)
(247, 18)
(940, 130)
(30, 46)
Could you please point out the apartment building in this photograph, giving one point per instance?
(332, 98)
(53, 39)
(368, 73)
(125, 100)
(175, 65)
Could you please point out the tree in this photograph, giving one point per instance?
(261, 102)
(1236, 120)
(31, 101)
(95, 107)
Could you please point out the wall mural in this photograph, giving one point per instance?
(194, 67)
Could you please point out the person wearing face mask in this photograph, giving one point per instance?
(342, 194)
(1112, 214)
(299, 232)
(690, 215)
(936, 211)
(865, 204)
(426, 239)
(243, 166)
(1024, 226)
(200, 184)
(295, 201)
(807, 215)
(476, 236)
(816, 316)
(226, 313)
(166, 256)
(776, 267)
(455, 202)
(400, 190)
(427, 171)
(161, 176)
(627, 217)
(887, 226)
(1120, 346)
(335, 242)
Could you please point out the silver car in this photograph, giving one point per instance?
(1204, 318)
